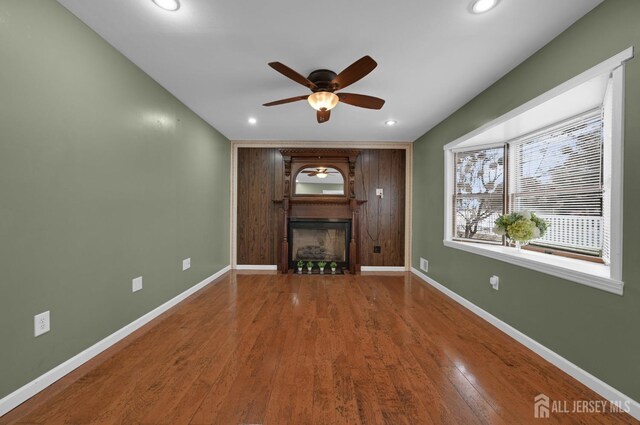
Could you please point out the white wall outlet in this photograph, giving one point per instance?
(380, 193)
(186, 264)
(41, 323)
(495, 282)
(424, 265)
(136, 284)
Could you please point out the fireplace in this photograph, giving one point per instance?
(313, 225)
(319, 240)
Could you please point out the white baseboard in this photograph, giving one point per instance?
(597, 385)
(27, 391)
(382, 269)
(255, 267)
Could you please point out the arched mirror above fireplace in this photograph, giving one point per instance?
(319, 181)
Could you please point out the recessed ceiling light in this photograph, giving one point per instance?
(481, 6)
(391, 122)
(252, 121)
(170, 5)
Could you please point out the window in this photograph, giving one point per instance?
(558, 175)
(560, 156)
(556, 172)
(479, 193)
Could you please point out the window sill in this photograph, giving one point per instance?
(584, 272)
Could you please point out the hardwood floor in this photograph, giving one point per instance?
(274, 349)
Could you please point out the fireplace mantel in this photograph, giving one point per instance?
(321, 207)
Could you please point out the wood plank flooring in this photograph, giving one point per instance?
(274, 349)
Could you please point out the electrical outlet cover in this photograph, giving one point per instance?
(186, 264)
(42, 323)
(494, 281)
(136, 284)
(424, 265)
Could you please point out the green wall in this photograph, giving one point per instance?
(596, 330)
(104, 176)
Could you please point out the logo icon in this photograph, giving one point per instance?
(541, 406)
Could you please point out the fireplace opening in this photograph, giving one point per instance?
(319, 240)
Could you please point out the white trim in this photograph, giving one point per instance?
(617, 173)
(482, 146)
(233, 206)
(449, 190)
(589, 74)
(319, 144)
(256, 267)
(408, 208)
(587, 273)
(597, 385)
(382, 269)
(32, 388)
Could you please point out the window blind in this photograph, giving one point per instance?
(479, 193)
(558, 175)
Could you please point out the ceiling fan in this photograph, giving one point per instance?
(323, 83)
(320, 172)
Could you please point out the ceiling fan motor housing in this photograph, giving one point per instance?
(322, 79)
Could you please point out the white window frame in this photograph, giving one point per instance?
(601, 276)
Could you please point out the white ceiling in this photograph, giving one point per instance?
(433, 56)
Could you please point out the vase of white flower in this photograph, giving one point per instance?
(520, 227)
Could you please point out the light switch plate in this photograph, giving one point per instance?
(41, 323)
(186, 264)
(136, 284)
(380, 193)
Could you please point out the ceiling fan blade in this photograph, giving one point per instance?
(323, 116)
(289, 100)
(290, 73)
(354, 72)
(361, 100)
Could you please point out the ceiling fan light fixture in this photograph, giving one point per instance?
(321, 175)
(323, 100)
(482, 6)
(170, 5)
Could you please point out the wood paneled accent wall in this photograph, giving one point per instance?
(382, 221)
(259, 183)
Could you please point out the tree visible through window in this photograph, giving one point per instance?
(479, 193)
